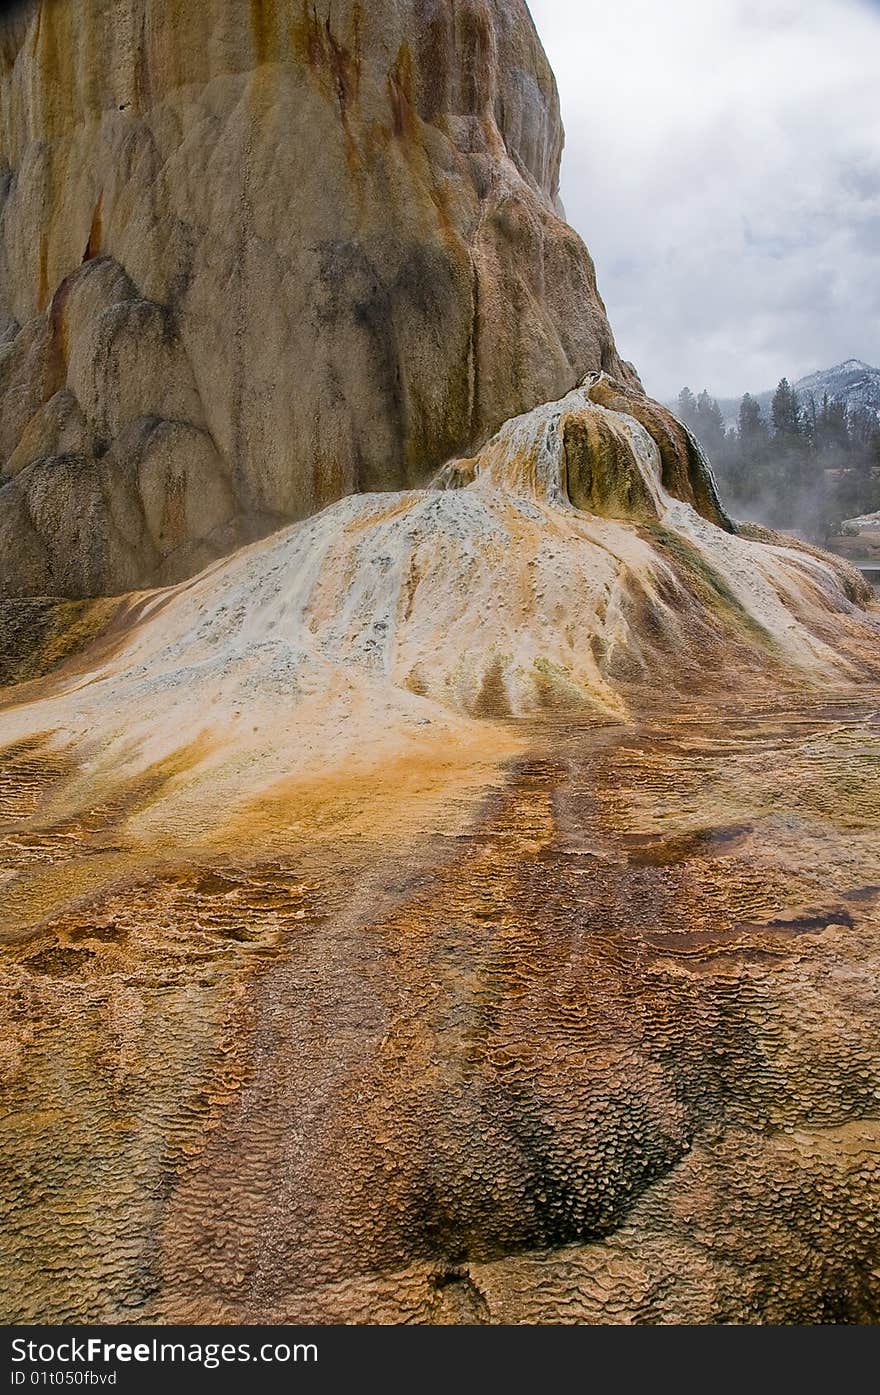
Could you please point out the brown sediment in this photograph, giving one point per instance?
(595, 1049)
(336, 61)
(404, 795)
(404, 119)
(263, 17)
(600, 474)
(43, 275)
(38, 635)
(64, 833)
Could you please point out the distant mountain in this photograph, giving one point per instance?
(853, 382)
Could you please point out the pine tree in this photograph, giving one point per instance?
(807, 469)
(752, 427)
(749, 464)
(709, 424)
(786, 412)
(687, 407)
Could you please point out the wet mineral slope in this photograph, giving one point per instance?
(600, 1047)
(460, 906)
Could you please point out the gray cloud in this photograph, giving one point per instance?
(723, 165)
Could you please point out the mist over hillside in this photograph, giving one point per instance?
(853, 382)
(804, 458)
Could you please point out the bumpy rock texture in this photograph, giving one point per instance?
(256, 256)
(332, 994)
(554, 569)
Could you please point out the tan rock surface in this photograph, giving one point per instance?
(459, 907)
(325, 237)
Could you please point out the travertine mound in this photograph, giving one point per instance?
(553, 570)
(255, 257)
(328, 994)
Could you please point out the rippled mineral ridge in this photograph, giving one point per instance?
(462, 904)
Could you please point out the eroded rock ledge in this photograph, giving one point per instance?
(257, 257)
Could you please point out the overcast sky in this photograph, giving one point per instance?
(723, 166)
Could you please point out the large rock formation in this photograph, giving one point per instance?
(327, 993)
(461, 905)
(255, 257)
(554, 569)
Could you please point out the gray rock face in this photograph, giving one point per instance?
(254, 257)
